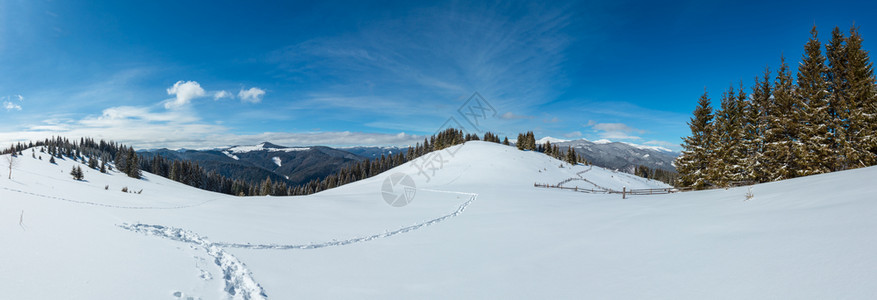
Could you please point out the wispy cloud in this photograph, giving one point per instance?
(511, 116)
(179, 129)
(574, 134)
(552, 120)
(662, 144)
(11, 106)
(615, 131)
(251, 95)
(437, 54)
(9, 102)
(222, 94)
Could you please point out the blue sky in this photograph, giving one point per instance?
(215, 73)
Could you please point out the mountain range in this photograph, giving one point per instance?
(622, 156)
(294, 165)
(298, 165)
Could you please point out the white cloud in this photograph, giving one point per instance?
(573, 134)
(615, 131)
(9, 106)
(8, 103)
(332, 138)
(222, 94)
(552, 120)
(662, 143)
(252, 95)
(181, 129)
(184, 91)
(511, 116)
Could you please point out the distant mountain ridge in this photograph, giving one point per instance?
(294, 165)
(620, 155)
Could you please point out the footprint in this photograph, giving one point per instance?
(200, 263)
(180, 295)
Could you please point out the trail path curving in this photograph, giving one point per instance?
(239, 280)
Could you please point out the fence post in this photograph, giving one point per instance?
(624, 192)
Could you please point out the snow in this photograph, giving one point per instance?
(229, 154)
(644, 147)
(476, 228)
(277, 161)
(262, 147)
(638, 146)
(550, 139)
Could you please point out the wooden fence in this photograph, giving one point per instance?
(624, 192)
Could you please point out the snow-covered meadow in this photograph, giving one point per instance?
(476, 228)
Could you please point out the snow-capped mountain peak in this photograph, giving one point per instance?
(264, 146)
(551, 140)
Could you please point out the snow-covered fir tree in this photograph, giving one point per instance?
(811, 91)
(861, 104)
(693, 163)
(783, 148)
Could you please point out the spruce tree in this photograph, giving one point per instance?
(132, 164)
(121, 161)
(571, 155)
(92, 163)
(77, 173)
(531, 141)
(782, 146)
(727, 153)
(693, 163)
(811, 92)
(838, 93)
(759, 108)
(861, 104)
(266, 187)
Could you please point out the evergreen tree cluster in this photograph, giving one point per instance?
(656, 174)
(77, 173)
(102, 155)
(569, 155)
(87, 151)
(526, 141)
(822, 120)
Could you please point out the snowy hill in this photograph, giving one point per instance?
(475, 227)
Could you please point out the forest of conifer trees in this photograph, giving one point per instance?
(823, 120)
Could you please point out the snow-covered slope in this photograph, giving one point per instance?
(476, 228)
